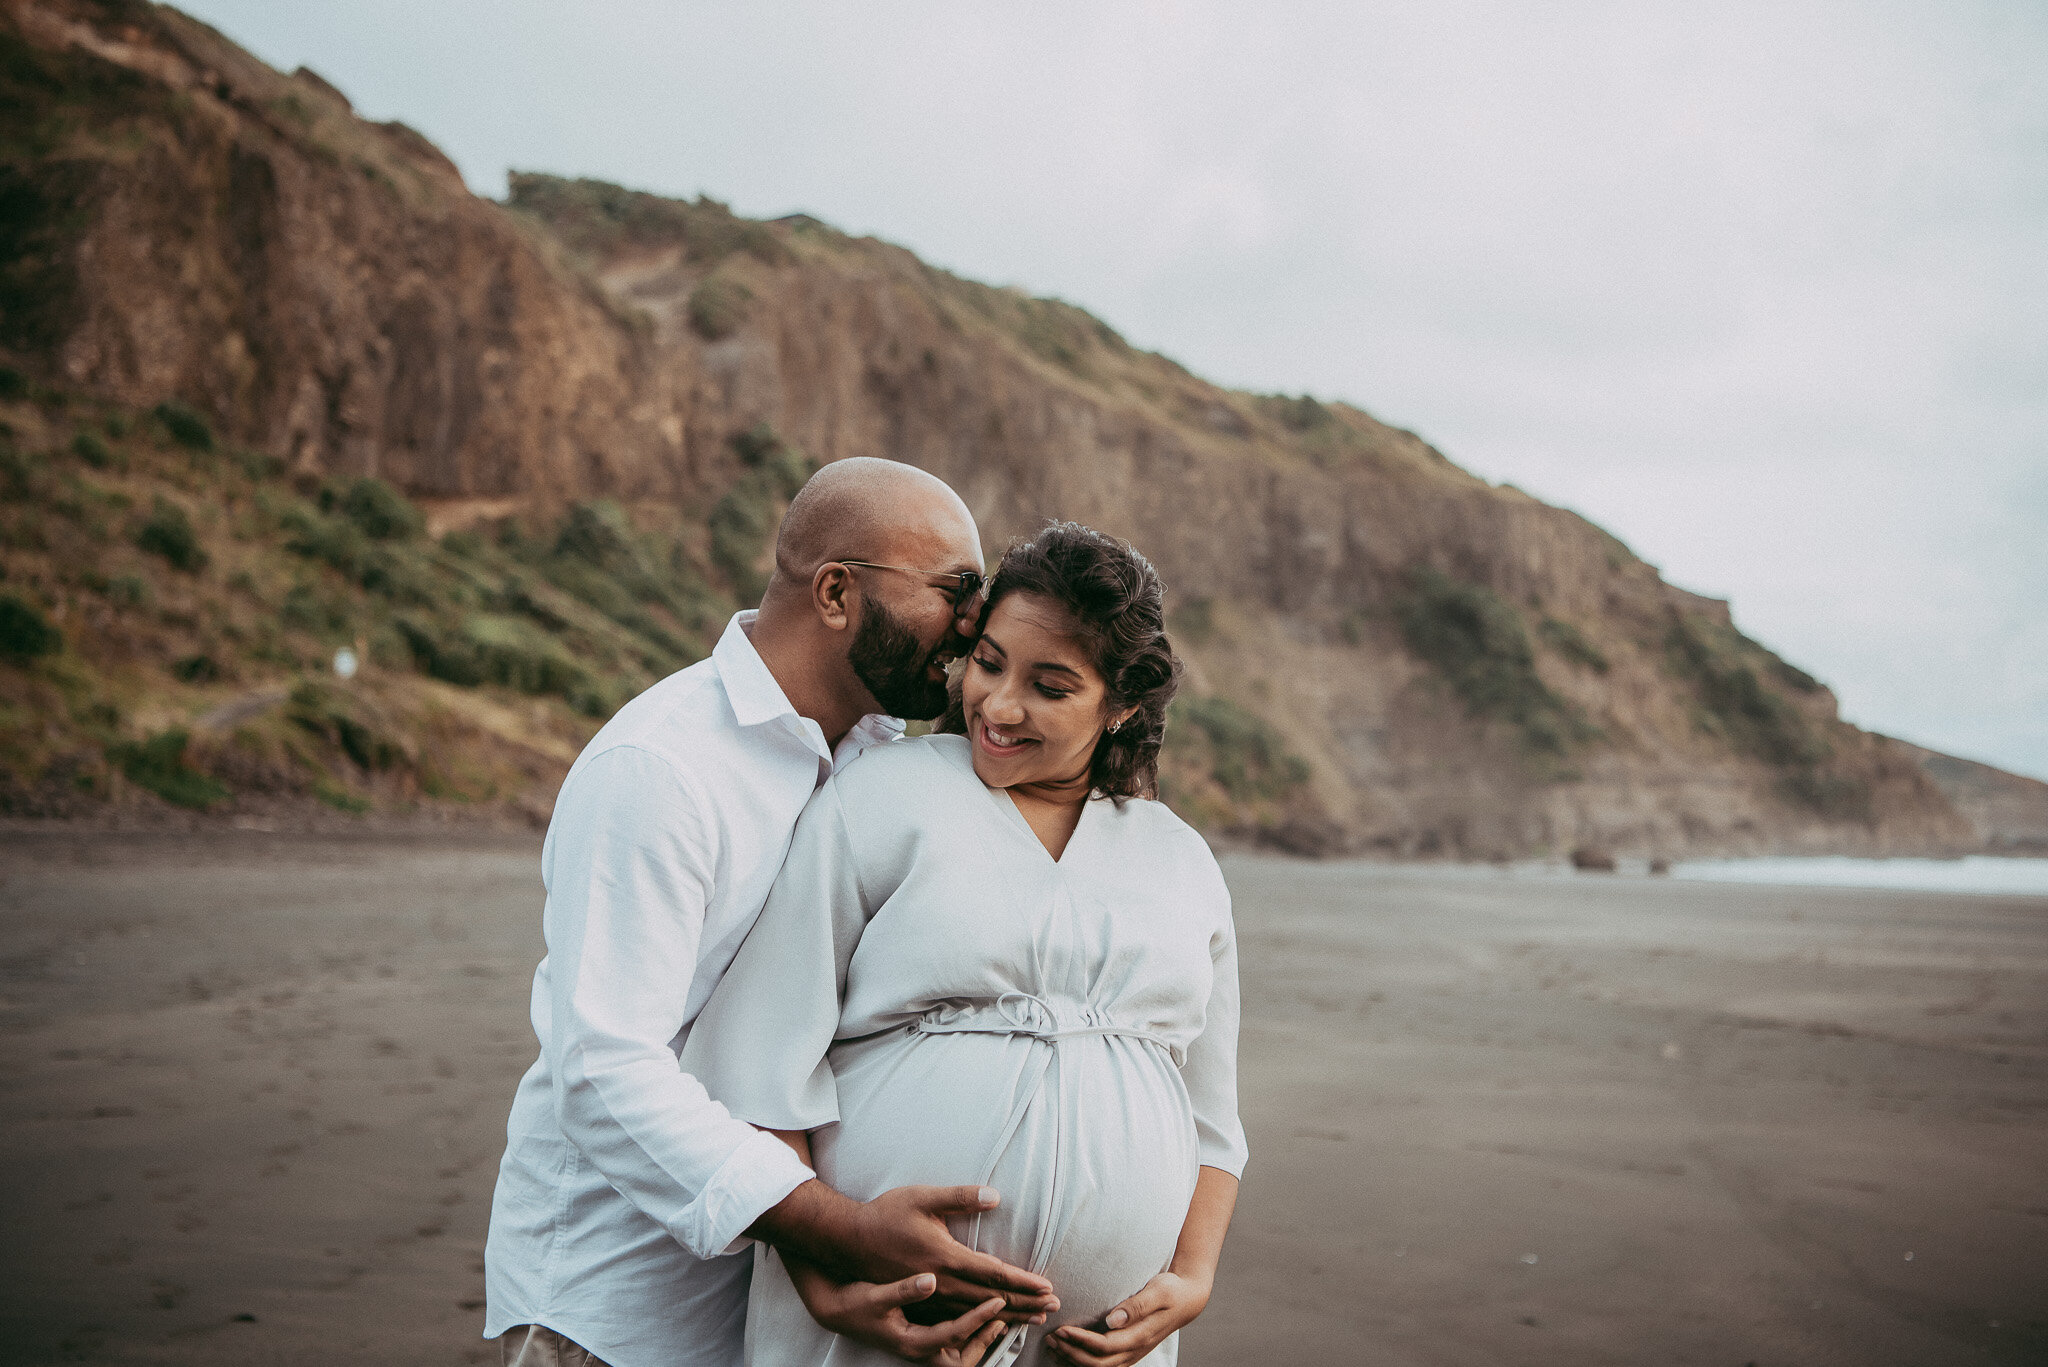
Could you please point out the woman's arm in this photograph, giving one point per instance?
(1170, 1300)
(1201, 1237)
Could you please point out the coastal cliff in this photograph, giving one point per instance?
(523, 456)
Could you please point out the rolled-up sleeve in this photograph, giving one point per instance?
(632, 859)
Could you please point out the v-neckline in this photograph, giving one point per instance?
(1009, 804)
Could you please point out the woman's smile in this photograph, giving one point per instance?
(998, 743)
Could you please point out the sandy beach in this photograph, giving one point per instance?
(256, 1089)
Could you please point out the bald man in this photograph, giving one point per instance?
(627, 1196)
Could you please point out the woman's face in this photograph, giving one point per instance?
(1032, 699)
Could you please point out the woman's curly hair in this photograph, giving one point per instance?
(1116, 599)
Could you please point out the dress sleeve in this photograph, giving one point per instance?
(1210, 1072)
(759, 1045)
(630, 865)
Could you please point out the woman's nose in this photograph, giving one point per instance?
(1004, 706)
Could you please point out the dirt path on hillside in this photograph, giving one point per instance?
(257, 1088)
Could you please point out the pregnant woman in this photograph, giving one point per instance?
(990, 958)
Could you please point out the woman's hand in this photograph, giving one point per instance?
(1140, 1323)
(873, 1315)
(1136, 1326)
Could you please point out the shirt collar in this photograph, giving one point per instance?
(757, 699)
(749, 687)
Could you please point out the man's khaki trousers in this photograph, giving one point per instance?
(532, 1346)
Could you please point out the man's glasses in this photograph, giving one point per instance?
(963, 588)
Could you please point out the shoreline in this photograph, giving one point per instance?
(1973, 875)
(511, 824)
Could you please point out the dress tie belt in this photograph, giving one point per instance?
(1021, 1013)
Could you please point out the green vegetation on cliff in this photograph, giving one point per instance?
(1225, 768)
(1476, 640)
(172, 610)
(1727, 672)
(593, 218)
(209, 593)
(1246, 758)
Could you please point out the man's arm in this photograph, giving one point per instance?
(631, 865)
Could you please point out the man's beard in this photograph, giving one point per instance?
(894, 665)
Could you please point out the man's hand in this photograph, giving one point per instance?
(903, 1231)
(897, 1235)
(1136, 1326)
(873, 1315)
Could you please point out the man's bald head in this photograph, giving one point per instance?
(845, 640)
(864, 508)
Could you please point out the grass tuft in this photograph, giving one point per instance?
(1734, 701)
(1475, 639)
(717, 308)
(196, 669)
(158, 764)
(594, 217)
(1300, 414)
(94, 451)
(169, 533)
(1246, 757)
(1568, 641)
(186, 427)
(25, 634)
(335, 716)
(380, 511)
(740, 523)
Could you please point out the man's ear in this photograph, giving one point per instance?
(833, 596)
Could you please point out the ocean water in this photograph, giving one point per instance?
(1976, 873)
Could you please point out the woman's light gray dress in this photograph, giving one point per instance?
(944, 1003)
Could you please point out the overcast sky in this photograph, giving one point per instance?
(1761, 288)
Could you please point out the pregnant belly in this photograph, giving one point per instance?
(1090, 1140)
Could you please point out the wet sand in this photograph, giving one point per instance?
(256, 1089)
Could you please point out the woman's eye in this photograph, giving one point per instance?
(1054, 693)
(986, 663)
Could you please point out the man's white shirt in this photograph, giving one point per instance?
(625, 1188)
